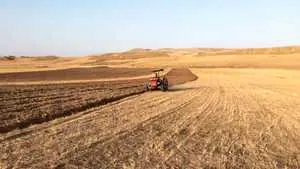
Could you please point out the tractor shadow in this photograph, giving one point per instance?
(177, 89)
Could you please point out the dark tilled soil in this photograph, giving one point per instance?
(74, 74)
(24, 105)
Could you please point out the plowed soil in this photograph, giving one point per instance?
(227, 118)
(74, 74)
(24, 105)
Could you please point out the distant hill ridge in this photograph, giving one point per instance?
(237, 51)
(140, 52)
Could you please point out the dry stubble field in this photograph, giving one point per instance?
(227, 118)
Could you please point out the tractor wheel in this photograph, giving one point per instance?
(165, 84)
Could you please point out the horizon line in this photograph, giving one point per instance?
(153, 49)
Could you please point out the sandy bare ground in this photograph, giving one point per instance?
(228, 118)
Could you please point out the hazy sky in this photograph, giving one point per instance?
(79, 27)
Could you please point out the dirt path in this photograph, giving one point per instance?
(225, 119)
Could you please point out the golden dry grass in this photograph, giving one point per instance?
(241, 58)
(280, 57)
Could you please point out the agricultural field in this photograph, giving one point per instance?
(24, 105)
(227, 118)
(224, 109)
(73, 74)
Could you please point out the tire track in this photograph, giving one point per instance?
(196, 122)
(141, 129)
(180, 124)
(68, 126)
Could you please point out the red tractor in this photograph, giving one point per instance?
(159, 81)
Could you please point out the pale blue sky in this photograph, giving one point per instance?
(80, 27)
